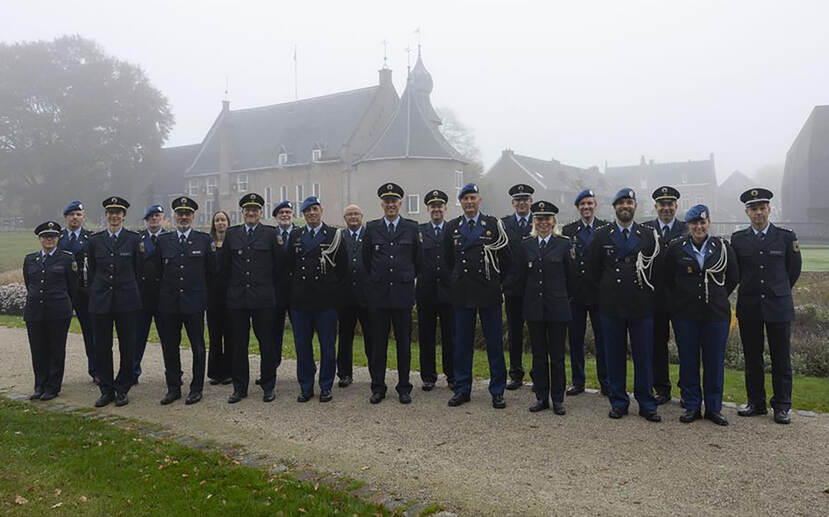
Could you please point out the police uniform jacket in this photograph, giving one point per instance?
(433, 279)
(686, 281)
(253, 265)
(511, 286)
(769, 269)
(583, 289)
(355, 282)
(392, 262)
(114, 270)
(150, 281)
(285, 277)
(50, 285)
(679, 229)
(78, 249)
(314, 286)
(545, 277)
(612, 264)
(469, 285)
(185, 270)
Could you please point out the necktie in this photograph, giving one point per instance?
(665, 230)
(354, 236)
(154, 238)
(437, 232)
(284, 235)
(114, 238)
(250, 233)
(470, 225)
(522, 223)
(182, 239)
(760, 236)
(626, 232)
(391, 228)
(589, 229)
(542, 244)
(72, 240)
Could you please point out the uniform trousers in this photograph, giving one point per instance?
(220, 358)
(145, 318)
(514, 308)
(641, 348)
(87, 329)
(169, 326)
(708, 337)
(779, 335)
(125, 325)
(548, 374)
(382, 321)
(279, 315)
(324, 323)
(348, 317)
(661, 366)
(428, 314)
(47, 342)
(239, 321)
(576, 329)
(464, 346)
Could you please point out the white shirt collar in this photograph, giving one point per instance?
(186, 234)
(620, 227)
(358, 231)
(764, 231)
(466, 219)
(546, 239)
(156, 234)
(250, 228)
(518, 218)
(590, 224)
(663, 225)
(315, 230)
(117, 234)
(43, 254)
(437, 225)
(395, 222)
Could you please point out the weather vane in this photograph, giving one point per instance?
(385, 44)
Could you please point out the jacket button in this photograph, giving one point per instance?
(181, 290)
(391, 283)
(618, 280)
(247, 285)
(762, 281)
(762, 266)
(582, 271)
(181, 278)
(466, 271)
(181, 266)
(354, 259)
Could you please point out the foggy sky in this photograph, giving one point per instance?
(584, 82)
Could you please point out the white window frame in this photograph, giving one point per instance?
(209, 207)
(300, 197)
(283, 193)
(413, 199)
(316, 190)
(212, 184)
(282, 159)
(242, 182)
(268, 201)
(458, 186)
(193, 187)
(316, 155)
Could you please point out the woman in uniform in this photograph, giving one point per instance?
(544, 266)
(219, 358)
(51, 279)
(701, 272)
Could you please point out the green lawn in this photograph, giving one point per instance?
(815, 257)
(56, 463)
(14, 246)
(810, 393)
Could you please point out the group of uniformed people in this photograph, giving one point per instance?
(633, 280)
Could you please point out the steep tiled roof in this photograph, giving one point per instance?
(554, 175)
(671, 173)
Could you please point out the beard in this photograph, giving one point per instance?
(625, 215)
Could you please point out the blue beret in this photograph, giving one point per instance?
(72, 206)
(469, 188)
(624, 193)
(583, 194)
(309, 202)
(153, 209)
(697, 212)
(280, 206)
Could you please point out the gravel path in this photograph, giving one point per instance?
(482, 461)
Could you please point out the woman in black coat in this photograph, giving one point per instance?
(51, 279)
(220, 357)
(544, 269)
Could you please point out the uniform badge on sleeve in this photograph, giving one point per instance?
(690, 270)
(74, 266)
(212, 245)
(141, 246)
(796, 246)
(279, 240)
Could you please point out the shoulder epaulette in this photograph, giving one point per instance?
(67, 252)
(560, 236)
(98, 233)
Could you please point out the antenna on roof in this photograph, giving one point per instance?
(227, 82)
(385, 44)
(296, 77)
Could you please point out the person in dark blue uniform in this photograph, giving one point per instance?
(354, 305)
(114, 270)
(51, 279)
(318, 260)
(74, 238)
(477, 254)
(544, 269)
(669, 228)
(150, 282)
(220, 358)
(583, 294)
(770, 263)
(185, 260)
(285, 228)
(700, 272)
(518, 226)
(623, 263)
(252, 260)
(392, 257)
(432, 295)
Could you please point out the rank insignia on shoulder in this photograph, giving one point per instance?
(483, 223)
(796, 246)
(141, 246)
(573, 253)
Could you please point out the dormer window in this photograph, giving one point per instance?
(282, 159)
(316, 155)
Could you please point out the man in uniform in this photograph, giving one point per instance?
(770, 263)
(318, 260)
(150, 282)
(583, 294)
(432, 294)
(477, 253)
(114, 271)
(392, 257)
(518, 226)
(74, 239)
(253, 259)
(184, 259)
(354, 305)
(669, 228)
(622, 259)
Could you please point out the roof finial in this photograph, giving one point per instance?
(385, 44)
(419, 40)
(227, 82)
(408, 50)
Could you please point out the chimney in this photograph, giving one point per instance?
(642, 160)
(506, 152)
(225, 106)
(385, 76)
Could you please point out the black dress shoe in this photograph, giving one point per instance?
(235, 397)
(574, 390)
(428, 386)
(170, 397)
(49, 395)
(227, 381)
(514, 384)
(305, 397)
(650, 416)
(193, 397)
(662, 398)
(781, 416)
(498, 402)
(405, 398)
(345, 381)
(451, 384)
(752, 410)
(689, 416)
(269, 396)
(617, 412)
(36, 395)
(539, 405)
(214, 382)
(326, 396)
(716, 417)
(121, 399)
(604, 391)
(376, 398)
(558, 408)
(95, 380)
(258, 381)
(458, 399)
(105, 399)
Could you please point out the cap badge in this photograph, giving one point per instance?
(590, 193)
(114, 200)
(183, 200)
(664, 190)
(520, 188)
(80, 206)
(754, 193)
(252, 196)
(434, 192)
(703, 215)
(389, 186)
(541, 206)
(51, 225)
